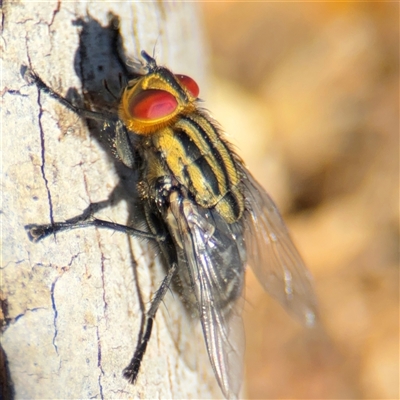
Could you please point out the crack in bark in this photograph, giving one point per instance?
(19, 316)
(105, 304)
(53, 304)
(42, 145)
(55, 12)
(103, 280)
(12, 92)
(43, 157)
(73, 258)
(12, 263)
(139, 293)
(99, 362)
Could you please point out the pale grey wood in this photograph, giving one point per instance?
(73, 311)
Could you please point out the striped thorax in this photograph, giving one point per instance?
(161, 107)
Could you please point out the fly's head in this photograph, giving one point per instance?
(156, 99)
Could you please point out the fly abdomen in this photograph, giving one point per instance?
(199, 159)
(214, 252)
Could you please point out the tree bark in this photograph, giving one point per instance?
(71, 303)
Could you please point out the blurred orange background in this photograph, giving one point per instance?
(309, 94)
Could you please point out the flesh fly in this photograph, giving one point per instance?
(208, 215)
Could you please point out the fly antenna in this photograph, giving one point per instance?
(151, 62)
(155, 45)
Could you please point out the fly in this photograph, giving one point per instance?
(208, 215)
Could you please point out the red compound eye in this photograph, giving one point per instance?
(189, 84)
(152, 104)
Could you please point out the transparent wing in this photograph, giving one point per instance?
(212, 257)
(273, 256)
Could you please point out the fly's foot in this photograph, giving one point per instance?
(29, 76)
(38, 232)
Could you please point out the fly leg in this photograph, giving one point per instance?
(38, 232)
(168, 251)
(32, 78)
(132, 370)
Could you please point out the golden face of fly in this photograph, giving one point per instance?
(155, 100)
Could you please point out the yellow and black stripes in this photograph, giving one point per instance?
(181, 141)
(199, 159)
